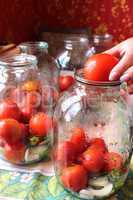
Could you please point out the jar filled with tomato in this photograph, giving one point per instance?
(46, 63)
(26, 105)
(93, 140)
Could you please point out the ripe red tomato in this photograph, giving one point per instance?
(65, 153)
(10, 130)
(113, 161)
(9, 109)
(74, 178)
(92, 160)
(14, 153)
(79, 139)
(65, 82)
(31, 86)
(40, 124)
(99, 66)
(99, 144)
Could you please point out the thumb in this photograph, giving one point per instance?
(114, 51)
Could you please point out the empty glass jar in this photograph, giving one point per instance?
(92, 140)
(73, 49)
(26, 103)
(46, 63)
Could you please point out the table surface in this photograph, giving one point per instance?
(35, 186)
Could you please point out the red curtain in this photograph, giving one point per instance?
(22, 20)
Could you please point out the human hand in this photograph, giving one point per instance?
(124, 68)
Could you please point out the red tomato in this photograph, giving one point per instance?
(65, 82)
(79, 139)
(92, 160)
(74, 178)
(113, 161)
(99, 144)
(10, 130)
(40, 124)
(31, 86)
(9, 109)
(99, 66)
(14, 153)
(65, 153)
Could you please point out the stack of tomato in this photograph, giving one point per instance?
(80, 158)
(24, 122)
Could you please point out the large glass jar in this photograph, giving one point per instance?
(46, 63)
(73, 49)
(92, 140)
(26, 106)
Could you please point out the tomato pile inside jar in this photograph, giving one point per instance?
(92, 148)
(25, 113)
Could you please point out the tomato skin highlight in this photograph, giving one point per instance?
(113, 161)
(40, 124)
(10, 130)
(74, 177)
(65, 82)
(92, 160)
(9, 109)
(99, 66)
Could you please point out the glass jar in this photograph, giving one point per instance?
(102, 42)
(92, 140)
(26, 109)
(46, 63)
(74, 48)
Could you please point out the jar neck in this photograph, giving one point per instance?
(100, 90)
(76, 42)
(34, 48)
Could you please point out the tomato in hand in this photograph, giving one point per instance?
(31, 86)
(65, 153)
(65, 82)
(40, 124)
(74, 178)
(92, 160)
(9, 109)
(99, 66)
(10, 130)
(14, 153)
(113, 161)
(99, 144)
(79, 139)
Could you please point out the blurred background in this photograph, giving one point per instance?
(23, 20)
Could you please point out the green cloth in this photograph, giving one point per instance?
(34, 186)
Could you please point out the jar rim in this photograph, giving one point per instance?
(41, 44)
(79, 77)
(76, 39)
(18, 60)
